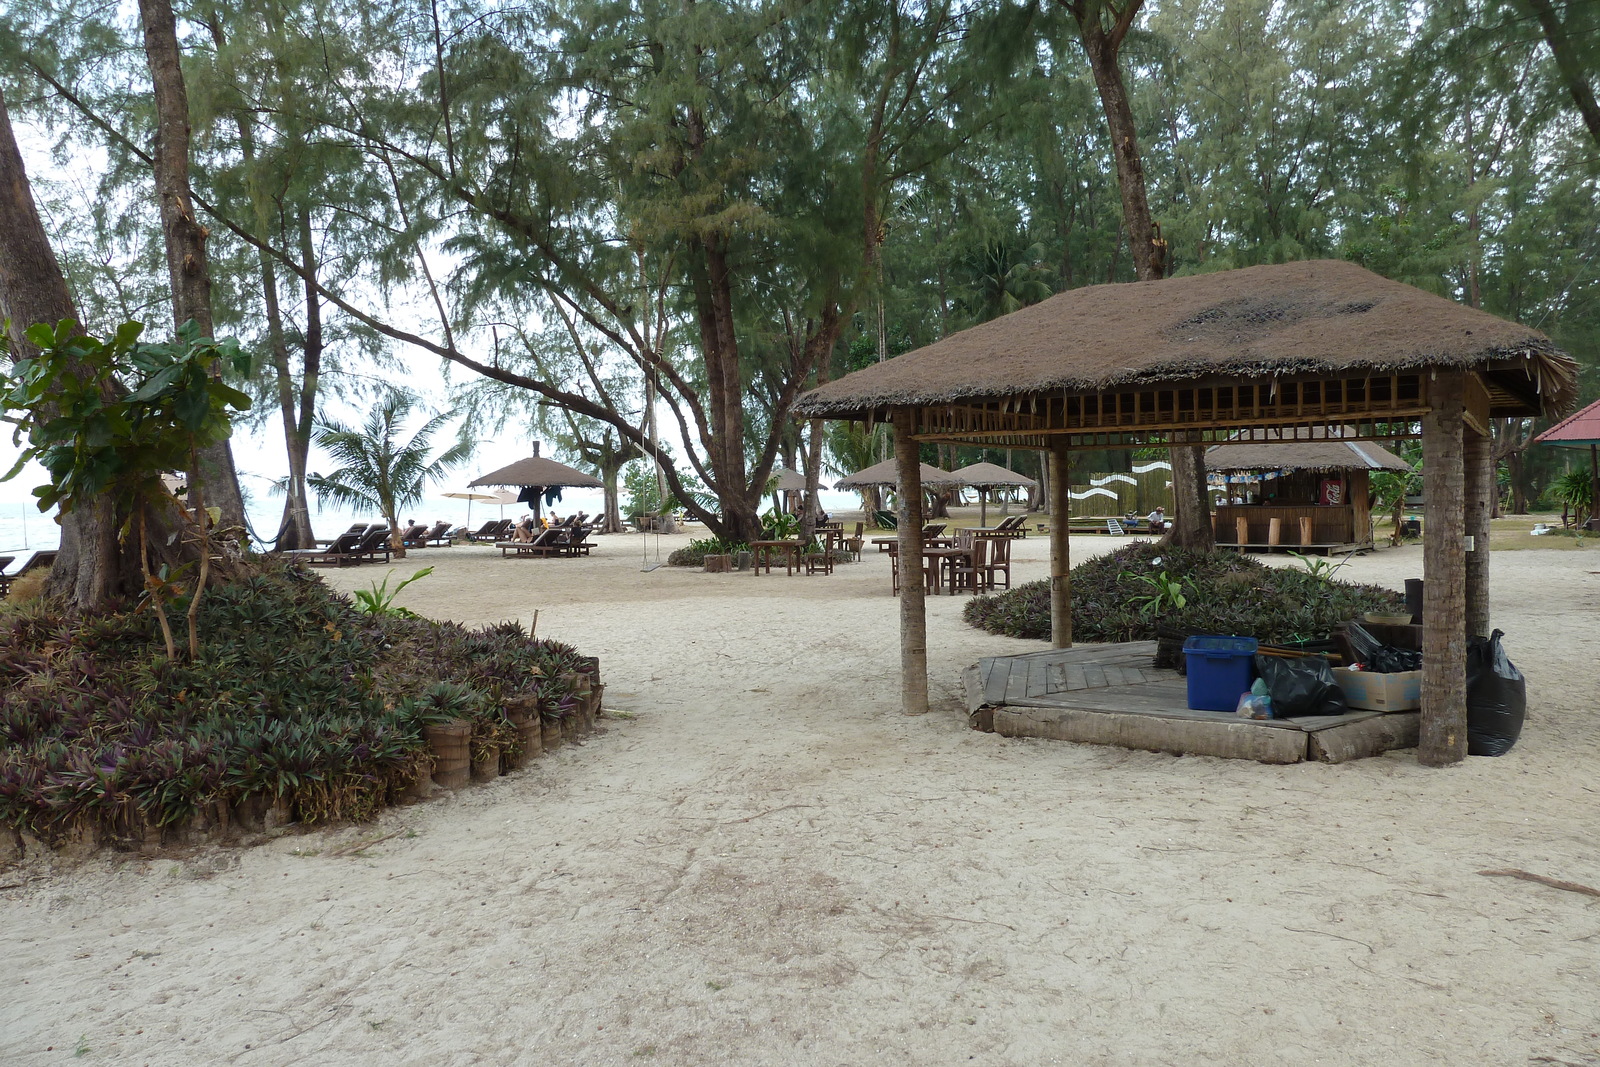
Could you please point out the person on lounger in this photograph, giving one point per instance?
(523, 530)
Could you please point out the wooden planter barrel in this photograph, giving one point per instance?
(450, 743)
(485, 762)
(551, 734)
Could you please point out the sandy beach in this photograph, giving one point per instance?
(759, 860)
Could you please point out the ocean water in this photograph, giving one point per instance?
(23, 529)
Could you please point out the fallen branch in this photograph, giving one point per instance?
(1553, 883)
(362, 846)
(1341, 937)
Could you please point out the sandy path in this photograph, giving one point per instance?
(769, 865)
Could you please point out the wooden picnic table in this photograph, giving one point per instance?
(761, 553)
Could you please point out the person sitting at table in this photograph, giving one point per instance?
(1157, 520)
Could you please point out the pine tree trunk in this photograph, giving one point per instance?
(185, 237)
(90, 568)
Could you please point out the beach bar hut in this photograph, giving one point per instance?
(1283, 349)
(1308, 495)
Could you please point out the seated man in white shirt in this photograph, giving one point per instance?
(1157, 520)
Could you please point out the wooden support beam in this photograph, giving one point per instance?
(1060, 547)
(913, 606)
(1443, 739)
(1478, 471)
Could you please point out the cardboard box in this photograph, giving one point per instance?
(1380, 692)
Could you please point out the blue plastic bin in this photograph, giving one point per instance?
(1220, 671)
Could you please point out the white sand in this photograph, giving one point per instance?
(770, 865)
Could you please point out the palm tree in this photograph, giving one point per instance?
(378, 470)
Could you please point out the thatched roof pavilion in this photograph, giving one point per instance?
(1283, 348)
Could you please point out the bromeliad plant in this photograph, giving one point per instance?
(106, 418)
(379, 598)
(1166, 593)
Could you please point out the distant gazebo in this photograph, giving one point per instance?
(1284, 349)
(1581, 430)
(1312, 494)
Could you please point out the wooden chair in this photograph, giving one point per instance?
(930, 576)
(855, 541)
(999, 562)
(971, 571)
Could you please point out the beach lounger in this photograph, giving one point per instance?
(494, 530)
(439, 536)
(543, 544)
(348, 549)
(411, 536)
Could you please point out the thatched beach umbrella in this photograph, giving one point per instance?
(535, 475)
(789, 480)
(885, 474)
(986, 476)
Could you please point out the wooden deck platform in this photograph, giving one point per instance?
(1111, 695)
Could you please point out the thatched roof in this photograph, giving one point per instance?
(1580, 429)
(1257, 451)
(537, 470)
(789, 480)
(987, 475)
(1321, 317)
(885, 474)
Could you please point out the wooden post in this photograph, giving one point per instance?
(1241, 527)
(1274, 531)
(1060, 548)
(1443, 738)
(1305, 530)
(1480, 489)
(913, 609)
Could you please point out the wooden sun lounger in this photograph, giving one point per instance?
(496, 530)
(348, 549)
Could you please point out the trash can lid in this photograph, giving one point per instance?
(1239, 646)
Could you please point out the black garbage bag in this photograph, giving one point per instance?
(1497, 698)
(1301, 686)
(1377, 657)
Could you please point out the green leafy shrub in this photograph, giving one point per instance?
(1222, 593)
(297, 699)
(694, 554)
